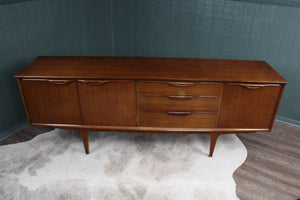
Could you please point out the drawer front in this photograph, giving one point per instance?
(169, 102)
(180, 88)
(178, 119)
(179, 104)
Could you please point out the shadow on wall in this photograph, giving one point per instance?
(11, 108)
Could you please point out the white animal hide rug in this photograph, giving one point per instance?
(121, 166)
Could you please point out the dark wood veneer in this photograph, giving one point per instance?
(154, 102)
(51, 101)
(169, 95)
(178, 119)
(145, 68)
(111, 103)
(257, 104)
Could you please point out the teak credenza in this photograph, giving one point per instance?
(168, 95)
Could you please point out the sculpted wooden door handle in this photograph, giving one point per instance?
(181, 84)
(254, 86)
(60, 82)
(179, 113)
(93, 82)
(180, 97)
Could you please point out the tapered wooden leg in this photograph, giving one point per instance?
(213, 140)
(85, 138)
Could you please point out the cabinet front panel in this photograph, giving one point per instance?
(248, 105)
(109, 103)
(51, 101)
(165, 102)
(179, 119)
(180, 88)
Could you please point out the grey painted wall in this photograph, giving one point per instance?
(46, 27)
(175, 28)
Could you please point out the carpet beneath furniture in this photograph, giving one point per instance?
(121, 166)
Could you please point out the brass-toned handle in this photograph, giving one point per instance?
(93, 82)
(179, 113)
(180, 97)
(254, 86)
(60, 82)
(181, 84)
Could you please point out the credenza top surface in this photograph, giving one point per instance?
(148, 68)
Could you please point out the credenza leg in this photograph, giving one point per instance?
(213, 140)
(85, 138)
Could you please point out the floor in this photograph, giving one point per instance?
(271, 171)
(272, 168)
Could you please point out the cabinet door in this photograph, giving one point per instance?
(108, 103)
(51, 101)
(249, 105)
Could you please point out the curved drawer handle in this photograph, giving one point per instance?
(60, 82)
(181, 84)
(180, 97)
(179, 113)
(254, 86)
(93, 82)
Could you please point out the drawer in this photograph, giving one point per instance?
(178, 119)
(165, 102)
(180, 88)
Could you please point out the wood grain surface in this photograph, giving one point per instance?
(272, 168)
(251, 106)
(110, 103)
(169, 102)
(97, 92)
(51, 101)
(179, 119)
(144, 68)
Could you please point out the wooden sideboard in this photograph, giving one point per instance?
(166, 95)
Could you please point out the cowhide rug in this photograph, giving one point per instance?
(121, 166)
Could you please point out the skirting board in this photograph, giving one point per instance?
(288, 121)
(5, 2)
(5, 134)
(289, 3)
(19, 126)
